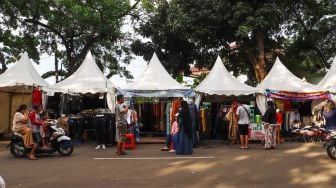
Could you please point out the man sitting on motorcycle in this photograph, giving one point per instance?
(20, 125)
(38, 126)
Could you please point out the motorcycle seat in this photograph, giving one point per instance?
(17, 134)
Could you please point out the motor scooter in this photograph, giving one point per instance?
(330, 144)
(58, 142)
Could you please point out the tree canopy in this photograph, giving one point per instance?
(71, 28)
(249, 33)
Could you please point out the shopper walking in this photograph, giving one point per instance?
(243, 116)
(269, 120)
(184, 144)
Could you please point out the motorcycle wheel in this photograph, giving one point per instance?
(65, 148)
(16, 152)
(331, 150)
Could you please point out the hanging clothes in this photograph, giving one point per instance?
(37, 97)
(231, 117)
(176, 105)
(168, 121)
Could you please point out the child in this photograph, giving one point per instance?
(44, 129)
(174, 132)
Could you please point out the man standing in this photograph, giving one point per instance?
(243, 116)
(121, 122)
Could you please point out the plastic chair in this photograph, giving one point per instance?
(130, 143)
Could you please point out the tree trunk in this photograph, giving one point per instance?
(260, 67)
(56, 61)
(3, 64)
(56, 68)
(322, 57)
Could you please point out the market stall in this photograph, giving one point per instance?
(217, 91)
(16, 87)
(293, 96)
(87, 97)
(152, 94)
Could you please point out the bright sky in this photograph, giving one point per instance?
(136, 67)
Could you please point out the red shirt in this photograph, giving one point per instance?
(279, 118)
(33, 119)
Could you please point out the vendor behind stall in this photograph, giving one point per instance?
(329, 115)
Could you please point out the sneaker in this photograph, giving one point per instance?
(98, 147)
(103, 146)
(165, 149)
(171, 151)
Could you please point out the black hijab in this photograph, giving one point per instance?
(186, 121)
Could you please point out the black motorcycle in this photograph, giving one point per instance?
(330, 144)
(58, 142)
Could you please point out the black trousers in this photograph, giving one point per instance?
(101, 130)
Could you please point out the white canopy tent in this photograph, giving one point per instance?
(220, 82)
(280, 82)
(329, 80)
(155, 81)
(16, 87)
(87, 79)
(22, 73)
(280, 78)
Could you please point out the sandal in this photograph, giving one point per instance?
(32, 158)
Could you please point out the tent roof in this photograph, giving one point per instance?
(281, 79)
(22, 73)
(155, 78)
(87, 79)
(329, 79)
(221, 82)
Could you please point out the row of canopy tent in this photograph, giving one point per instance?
(157, 82)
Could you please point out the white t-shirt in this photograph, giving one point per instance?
(129, 116)
(244, 117)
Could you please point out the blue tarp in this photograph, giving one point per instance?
(158, 93)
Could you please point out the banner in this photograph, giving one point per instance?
(297, 96)
(256, 131)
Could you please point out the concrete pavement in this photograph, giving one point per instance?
(290, 165)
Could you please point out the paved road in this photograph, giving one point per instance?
(290, 165)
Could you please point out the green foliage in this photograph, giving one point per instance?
(179, 78)
(187, 31)
(78, 26)
(182, 32)
(199, 79)
(311, 26)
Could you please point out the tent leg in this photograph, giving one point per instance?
(9, 113)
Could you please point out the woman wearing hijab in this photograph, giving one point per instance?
(270, 120)
(184, 145)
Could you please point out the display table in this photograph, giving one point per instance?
(256, 131)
